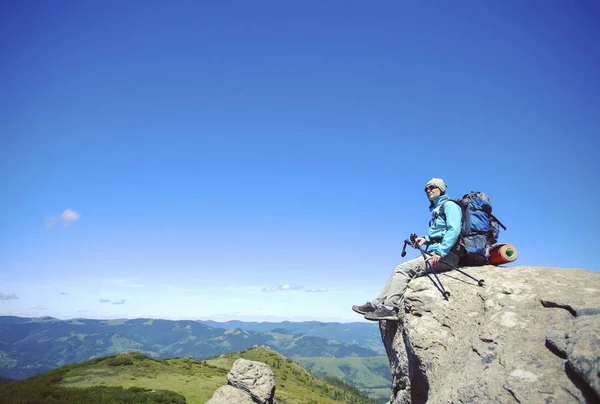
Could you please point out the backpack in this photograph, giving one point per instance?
(479, 229)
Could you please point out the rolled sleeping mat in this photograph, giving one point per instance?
(503, 254)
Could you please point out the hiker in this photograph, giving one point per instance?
(442, 236)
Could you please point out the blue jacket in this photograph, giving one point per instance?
(445, 230)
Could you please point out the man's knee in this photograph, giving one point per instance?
(409, 266)
(449, 262)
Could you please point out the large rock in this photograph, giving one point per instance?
(255, 378)
(530, 335)
(249, 382)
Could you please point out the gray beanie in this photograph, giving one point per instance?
(438, 182)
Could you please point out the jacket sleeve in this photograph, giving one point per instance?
(453, 224)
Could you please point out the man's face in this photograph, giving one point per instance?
(432, 191)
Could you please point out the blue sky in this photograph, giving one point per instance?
(265, 160)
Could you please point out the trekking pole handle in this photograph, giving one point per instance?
(419, 247)
(404, 248)
(412, 240)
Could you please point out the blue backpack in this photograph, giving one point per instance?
(479, 229)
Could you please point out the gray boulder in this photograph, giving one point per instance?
(530, 335)
(249, 382)
(255, 378)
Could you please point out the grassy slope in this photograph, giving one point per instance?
(191, 378)
(371, 375)
(197, 380)
(45, 389)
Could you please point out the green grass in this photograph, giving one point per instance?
(135, 378)
(193, 379)
(46, 389)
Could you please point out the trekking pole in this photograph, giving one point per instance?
(480, 282)
(413, 242)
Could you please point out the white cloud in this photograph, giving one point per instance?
(8, 297)
(282, 288)
(319, 290)
(68, 217)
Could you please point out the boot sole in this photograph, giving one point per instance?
(387, 318)
(362, 312)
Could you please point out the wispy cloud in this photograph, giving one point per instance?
(63, 293)
(39, 308)
(67, 218)
(8, 297)
(319, 290)
(104, 301)
(119, 301)
(282, 288)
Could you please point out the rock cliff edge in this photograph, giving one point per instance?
(529, 335)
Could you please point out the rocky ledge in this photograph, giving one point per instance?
(529, 335)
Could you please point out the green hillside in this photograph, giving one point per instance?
(136, 378)
(371, 375)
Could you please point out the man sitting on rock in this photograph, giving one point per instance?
(441, 238)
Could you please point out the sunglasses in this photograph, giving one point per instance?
(430, 188)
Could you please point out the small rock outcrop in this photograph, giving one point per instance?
(529, 335)
(248, 382)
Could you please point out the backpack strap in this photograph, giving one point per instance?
(442, 213)
(458, 247)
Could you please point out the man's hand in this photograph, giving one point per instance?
(418, 240)
(434, 260)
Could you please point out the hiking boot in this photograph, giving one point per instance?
(382, 313)
(368, 307)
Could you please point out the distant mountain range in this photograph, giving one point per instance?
(33, 345)
(366, 335)
(136, 378)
